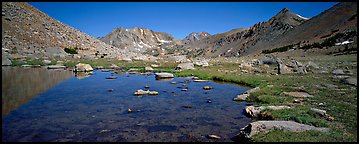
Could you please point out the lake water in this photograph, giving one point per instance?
(71, 108)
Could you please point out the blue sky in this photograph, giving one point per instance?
(176, 18)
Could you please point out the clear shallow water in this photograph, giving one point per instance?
(84, 110)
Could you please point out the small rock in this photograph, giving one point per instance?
(46, 62)
(338, 72)
(209, 101)
(153, 93)
(207, 87)
(173, 82)
(147, 86)
(105, 70)
(154, 65)
(212, 136)
(198, 80)
(184, 89)
(164, 75)
(130, 110)
(99, 67)
(187, 106)
(318, 111)
(148, 69)
(110, 90)
(103, 131)
(111, 77)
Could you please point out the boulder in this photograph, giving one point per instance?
(283, 69)
(253, 111)
(318, 111)
(185, 66)
(55, 52)
(164, 75)
(113, 66)
(154, 66)
(81, 67)
(268, 59)
(338, 72)
(202, 63)
(5, 61)
(266, 126)
(351, 81)
(148, 69)
(46, 62)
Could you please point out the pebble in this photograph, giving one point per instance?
(212, 136)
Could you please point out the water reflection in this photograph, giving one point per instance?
(19, 85)
(82, 75)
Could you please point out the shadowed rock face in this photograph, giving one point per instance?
(19, 85)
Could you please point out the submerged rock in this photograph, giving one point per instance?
(207, 87)
(266, 126)
(111, 77)
(142, 92)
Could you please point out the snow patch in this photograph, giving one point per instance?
(344, 42)
(302, 17)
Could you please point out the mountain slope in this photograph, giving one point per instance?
(338, 19)
(234, 42)
(140, 40)
(28, 31)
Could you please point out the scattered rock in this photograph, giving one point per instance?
(113, 66)
(148, 69)
(56, 67)
(198, 80)
(142, 92)
(338, 72)
(130, 110)
(111, 77)
(106, 70)
(318, 111)
(266, 126)
(46, 62)
(298, 94)
(82, 67)
(164, 75)
(207, 87)
(153, 93)
(99, 67)
(5, 61)
(185, 66)
(244, 96)
(26, 65)
(104, 131)
(154, 65)
(254, 111)
(212, 136)
(351, 81)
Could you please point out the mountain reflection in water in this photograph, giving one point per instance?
(19, 85)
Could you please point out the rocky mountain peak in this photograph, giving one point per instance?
(195, 36)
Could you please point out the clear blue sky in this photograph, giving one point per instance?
(176, 18)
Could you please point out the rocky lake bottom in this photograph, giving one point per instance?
(94, 108)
